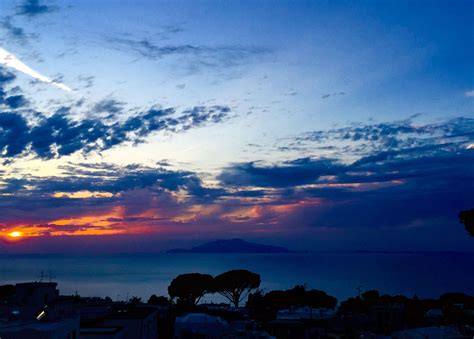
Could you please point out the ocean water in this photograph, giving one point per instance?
(339, 274)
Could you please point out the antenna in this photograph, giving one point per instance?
(51, 276)
(359, 289)
(41, 276)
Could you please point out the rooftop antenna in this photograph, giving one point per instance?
(359, 289)
(51, 276)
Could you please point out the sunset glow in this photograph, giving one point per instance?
(15, 234)
(335, 130)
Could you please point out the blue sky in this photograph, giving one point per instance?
(236, 99)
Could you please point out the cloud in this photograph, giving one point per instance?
(411, 190)
(366, 139)
(328, 95)
(469, 93)
(11, 61)
(58, 135)
(15, 33)
(300, 196)
(10, 98)
(110, 107)
(33, 8)
(291, 173)
(195, 56)
(103, 127)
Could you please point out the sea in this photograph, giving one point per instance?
(341, 274)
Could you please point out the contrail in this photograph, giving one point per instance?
(10, 60)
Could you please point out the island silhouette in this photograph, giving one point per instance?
(232, 246)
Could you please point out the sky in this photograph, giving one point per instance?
(315, 125)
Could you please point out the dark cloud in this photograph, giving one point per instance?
(198, 56)
(135, 188)
(419, 191)
(292, 173)
(328, 95)
(32, 8)
(367, 139)
(88, 81)
(406, 176)
(112, 178)
(14, 32)
(59, 135)
(11, 98)
(6, 77)
(430, 162)
(110, 107)
(414, 192)
(13, 134)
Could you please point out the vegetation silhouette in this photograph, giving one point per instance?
(7, 291)
(158, 300)
(189, 288)
(414, 310)
(134, 300)
(467, 218)
(265, 306)
(235, 285)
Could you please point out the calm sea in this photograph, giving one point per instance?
(119, 276)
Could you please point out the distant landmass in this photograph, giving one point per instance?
(232, 246)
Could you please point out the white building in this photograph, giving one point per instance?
(202, 324)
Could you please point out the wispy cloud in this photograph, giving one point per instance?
(33, 8)
(193, 56)
(361, 139)
(469, 93)
(10, 60)
(15, 33)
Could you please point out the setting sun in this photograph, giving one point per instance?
(15, 234)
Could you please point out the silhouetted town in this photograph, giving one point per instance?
(37, 310)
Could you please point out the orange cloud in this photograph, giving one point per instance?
(93, 220)
(82, 195)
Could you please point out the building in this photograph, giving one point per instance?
(137, 322)
(58, 329)
(433, 332)
(200, 325)
(102, 332)
(306, 313)
(30, 313)
(36, 293)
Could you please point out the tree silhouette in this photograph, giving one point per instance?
(299, 296)
(235, 285)
(158, 300)
(189, 288)
(135, 300)
(7, 291)
(371, 296)
(467, 218)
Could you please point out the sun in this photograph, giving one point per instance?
(15, 234)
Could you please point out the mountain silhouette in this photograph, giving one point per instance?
(232, 246)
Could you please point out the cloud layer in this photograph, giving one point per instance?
(60, 135)
(416, 189)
